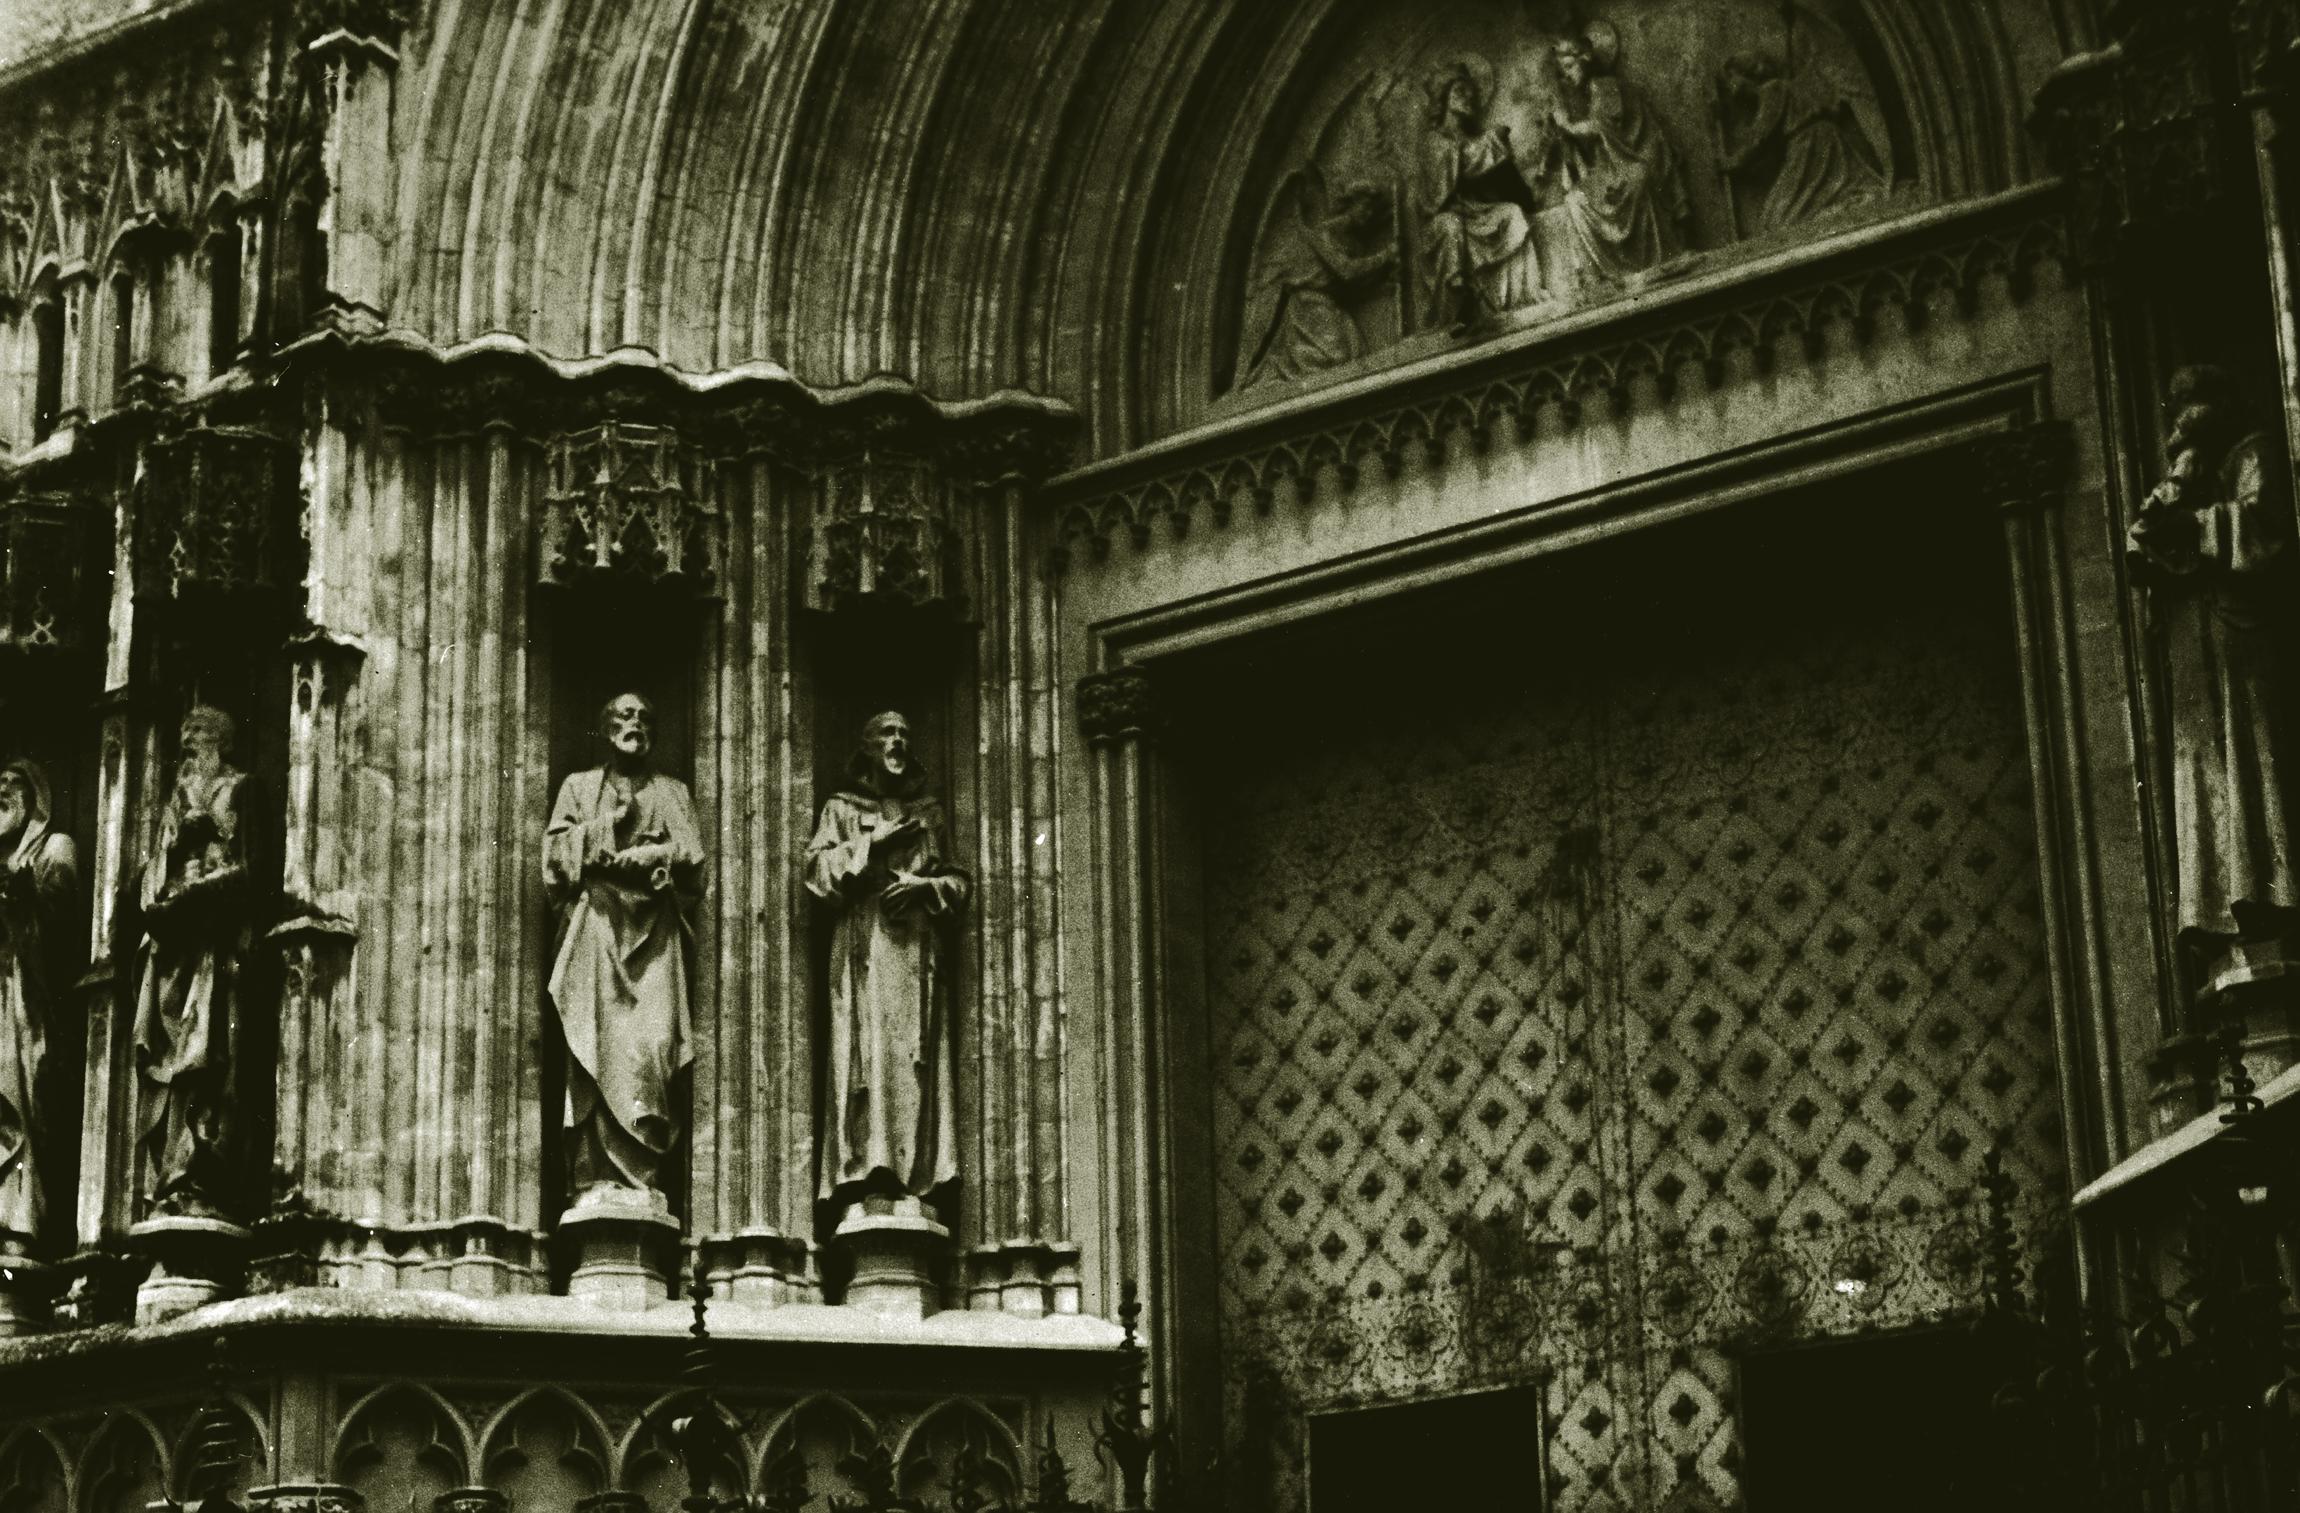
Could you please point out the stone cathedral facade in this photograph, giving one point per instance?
(1569, 719)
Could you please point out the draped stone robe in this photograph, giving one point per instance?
(39, 892)
(1476, 233)
(2221, 587)
(1629, 195)
(620, 980)
(188, 1026)
(889, 1115)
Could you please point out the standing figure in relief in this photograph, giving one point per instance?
(1828, 161)
(1477, 247)
(623, 857)
(1312, 260)
(1626, 202)
(888, 1112)
(197, 919)
(2214, 542)
(39, 894)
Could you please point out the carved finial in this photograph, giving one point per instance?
(1126, 1435)
(2000, 1259)
(1130, 1311)
(2243, 1093)
(216, 1443)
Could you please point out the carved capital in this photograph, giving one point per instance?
(2268, 49)
(1116, 705)
(630, 500)
(216, 512)
(48, 560)
(2025, 468)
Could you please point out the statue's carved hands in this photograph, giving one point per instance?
(907, 892)
(899, 833)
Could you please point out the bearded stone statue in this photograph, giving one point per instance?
(623, 858)
(39, 897)
(889, 1119)
(197, 922)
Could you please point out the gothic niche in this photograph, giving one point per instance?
(2213, 546)
(628, 550)
(887, 570)
(1489, 168)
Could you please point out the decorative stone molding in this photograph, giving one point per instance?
(306, 1497)
(2025, 468)
(882, 529)
(2144, 130)
(629, 499)
(1115, 705)
(48, 543)
(1557, 386)
(214, 514)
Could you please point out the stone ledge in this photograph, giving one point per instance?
(560, 1317)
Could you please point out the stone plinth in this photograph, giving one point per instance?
(897, 1247)
(27, 1287)
(2257, 982)
(625, 1245)
(195, 1261)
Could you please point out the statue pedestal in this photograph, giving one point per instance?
(2257, 982)
(27, 1287)
(897, 1247)
(625, 1244)
(195, 1261)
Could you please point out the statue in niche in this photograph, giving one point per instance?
(1313, 261)
(2214, 543)
(39, 898)
(623, 858)
(198, 915)
(888, 1110)
(1626, 203)
(1815, 123)
(1477, 249)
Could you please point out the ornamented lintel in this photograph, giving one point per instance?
(1565, 389)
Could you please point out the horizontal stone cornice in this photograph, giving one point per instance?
(758, 407)
(1618, 361)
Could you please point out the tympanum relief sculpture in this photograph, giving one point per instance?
(2214, 546)
(39, 897)
(1497, 166)
(198, 920)
(623, 860)
(889, 1117)
(1808, 121)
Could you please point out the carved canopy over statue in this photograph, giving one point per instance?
(39, 903)
(889, 1117)
(623, 859)
(198, 916)
(2214, 543)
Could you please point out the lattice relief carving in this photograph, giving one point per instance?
(1592, 1032)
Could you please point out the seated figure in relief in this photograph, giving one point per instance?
(623, 858)
(1627, 205)
(889, 1111)
(1478, 255)
(39, 899)
(198, 920)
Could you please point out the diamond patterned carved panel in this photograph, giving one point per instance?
(1591, 1026)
